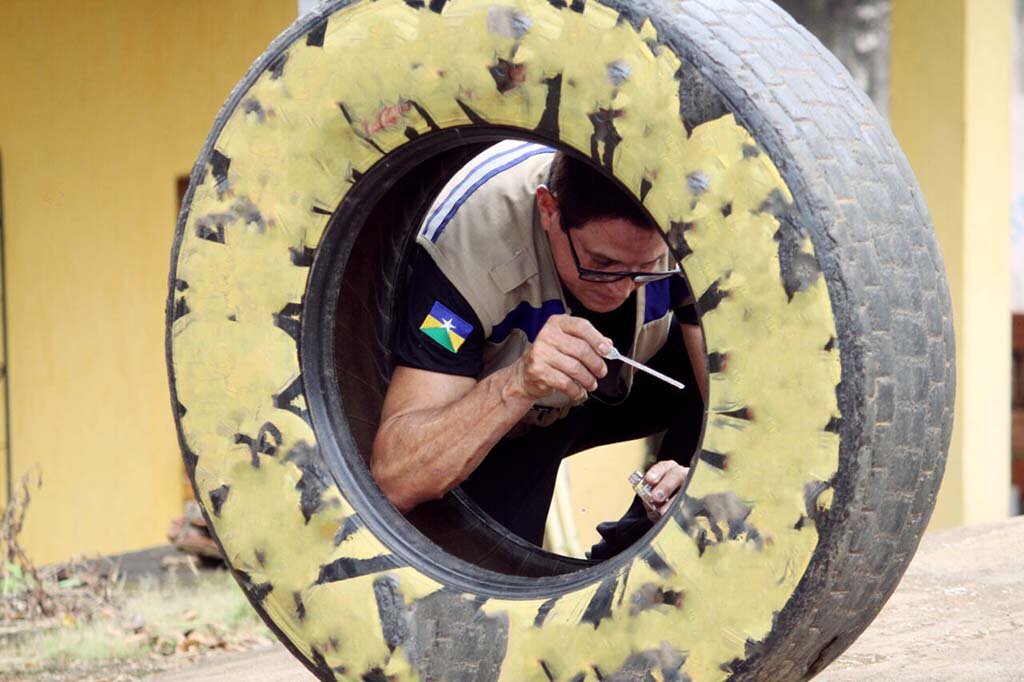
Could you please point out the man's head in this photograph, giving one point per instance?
(582, 210)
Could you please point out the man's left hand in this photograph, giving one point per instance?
(665, 479)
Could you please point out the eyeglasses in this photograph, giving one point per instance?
(589, 275)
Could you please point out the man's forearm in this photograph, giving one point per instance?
(420, 455)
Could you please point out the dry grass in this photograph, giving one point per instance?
(81, 621)
(154, 626)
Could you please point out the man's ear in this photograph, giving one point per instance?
(547, 207)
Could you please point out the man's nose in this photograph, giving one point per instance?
(625, 287)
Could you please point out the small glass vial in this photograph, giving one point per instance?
(643, 489)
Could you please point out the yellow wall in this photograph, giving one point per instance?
(950, 111)
(4, 462)
(103, 104)
(598, 490)
(3, 362)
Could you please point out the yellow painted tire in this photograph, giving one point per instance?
(822, 298)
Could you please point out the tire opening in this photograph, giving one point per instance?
(351, 301)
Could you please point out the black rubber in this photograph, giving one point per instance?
(856, 199)
(873, 236)
(354, 289)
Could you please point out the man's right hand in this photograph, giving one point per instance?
(565, 356)
(414, 457)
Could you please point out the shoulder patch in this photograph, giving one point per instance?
(445, 327)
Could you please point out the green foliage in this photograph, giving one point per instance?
(14, 582)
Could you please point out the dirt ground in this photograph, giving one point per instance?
(957, 615)
(162, 621)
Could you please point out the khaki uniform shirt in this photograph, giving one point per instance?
(483, 232)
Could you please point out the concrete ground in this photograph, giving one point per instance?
(957, 615)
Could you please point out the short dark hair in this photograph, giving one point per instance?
(585, 194)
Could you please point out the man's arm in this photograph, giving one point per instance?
(437, 428)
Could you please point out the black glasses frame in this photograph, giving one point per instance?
(608, 277)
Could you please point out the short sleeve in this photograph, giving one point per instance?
(681, 300)
(437, 329)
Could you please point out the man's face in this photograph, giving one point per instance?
(610, 244)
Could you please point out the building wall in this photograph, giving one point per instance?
(103, 104)
(1017, 157)
(950, 111)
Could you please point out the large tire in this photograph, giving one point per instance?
(822, 298)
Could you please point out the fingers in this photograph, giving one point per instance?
(574, 370)
(583, 329)
(583, 352)
(565, 375)
(545, 371)
(665, 479)
(579, 339)
(565, 356)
